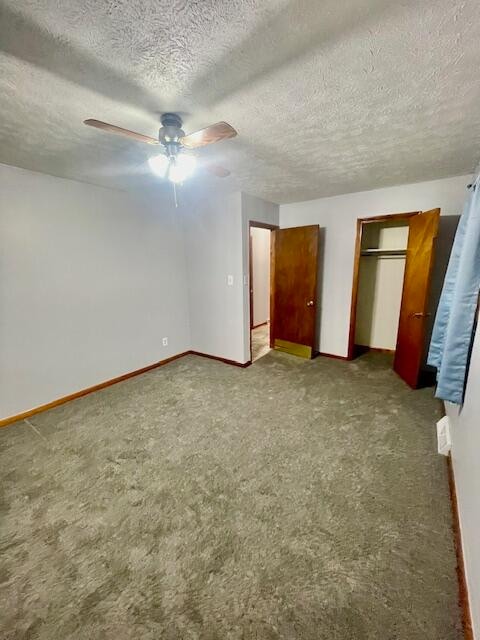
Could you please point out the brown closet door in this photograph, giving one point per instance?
(423, 229)
(294, 268)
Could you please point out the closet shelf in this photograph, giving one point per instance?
(384, 252)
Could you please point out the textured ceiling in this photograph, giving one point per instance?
(328, 97)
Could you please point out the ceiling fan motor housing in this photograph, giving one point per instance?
(171, 131)
(171, 120)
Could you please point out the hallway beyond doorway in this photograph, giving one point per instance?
(260, 341)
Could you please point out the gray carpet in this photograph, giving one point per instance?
(294, 499)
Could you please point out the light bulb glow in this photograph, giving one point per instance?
(176, 168)
(183, 167)
(159, 165)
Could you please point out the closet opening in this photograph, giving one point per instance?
(380, 283)
(390, 295)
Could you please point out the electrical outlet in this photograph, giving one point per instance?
(230, 281)
(443, 436)
(165, 342)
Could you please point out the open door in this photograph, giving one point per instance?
(294, 268)
(409, 353)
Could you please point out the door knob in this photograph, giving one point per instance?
(310, 303)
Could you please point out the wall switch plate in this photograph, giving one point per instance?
(230, 281)
(165, 342)
(443, 436)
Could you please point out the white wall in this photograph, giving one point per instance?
(466, 465)
(90, 281)
(213, 238)
(260, 275)
(337, 218)
(216, 228)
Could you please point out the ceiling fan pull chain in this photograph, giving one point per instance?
(175, 195)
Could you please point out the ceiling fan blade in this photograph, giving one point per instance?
(209, 135)
(111, 128)
(218, 171)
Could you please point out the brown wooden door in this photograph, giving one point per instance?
(410, 348)
(294, 268)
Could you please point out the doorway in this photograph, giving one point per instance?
(390, 294)
(283, 266)
(295, 260)
(260, 288)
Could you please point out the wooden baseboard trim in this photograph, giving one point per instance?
(331, 355)
(78, 394)
(363, 348)
(5, 422)
(262, 324)
(462, 581)
(224, 360)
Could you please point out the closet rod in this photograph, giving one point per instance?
(384, 252)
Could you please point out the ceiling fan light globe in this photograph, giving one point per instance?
(176, 175)
(159, 165)
(183, 168)
(186, 163)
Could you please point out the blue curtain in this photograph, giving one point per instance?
(455, 320)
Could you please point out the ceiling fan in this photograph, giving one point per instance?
(175, 163)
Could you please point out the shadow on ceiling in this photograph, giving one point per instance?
(295, 30)
(24, 39)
